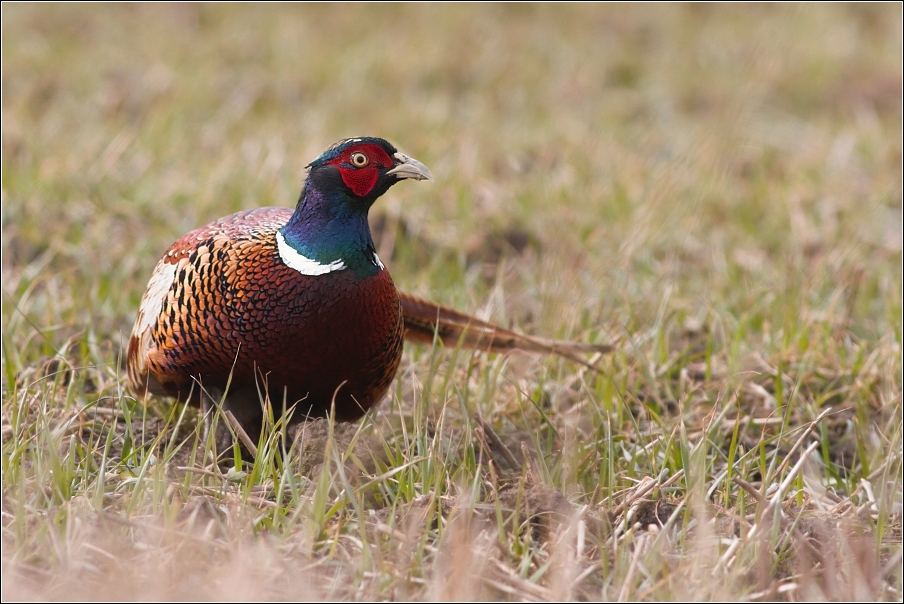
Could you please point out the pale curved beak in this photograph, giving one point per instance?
(408, 167)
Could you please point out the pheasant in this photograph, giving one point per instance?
(296, 306)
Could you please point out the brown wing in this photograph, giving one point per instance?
(180, 293)
(424, 319)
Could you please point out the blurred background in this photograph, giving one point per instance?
(716, 187)
(595, 164)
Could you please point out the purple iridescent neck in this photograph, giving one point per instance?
(331, 231)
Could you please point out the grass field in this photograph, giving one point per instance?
(717, 189)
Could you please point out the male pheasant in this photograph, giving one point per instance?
(296, 305)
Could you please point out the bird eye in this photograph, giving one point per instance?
(359, 160)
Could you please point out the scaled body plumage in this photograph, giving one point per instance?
(235, 309)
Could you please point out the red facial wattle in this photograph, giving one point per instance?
(362, 180)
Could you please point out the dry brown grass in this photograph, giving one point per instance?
(716, 187)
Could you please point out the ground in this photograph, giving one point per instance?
(716, 190)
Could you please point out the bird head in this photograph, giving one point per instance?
(328, 231)
(364, 167)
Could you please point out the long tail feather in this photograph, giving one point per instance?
(424, 318)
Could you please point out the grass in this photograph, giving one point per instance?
(716, 188)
